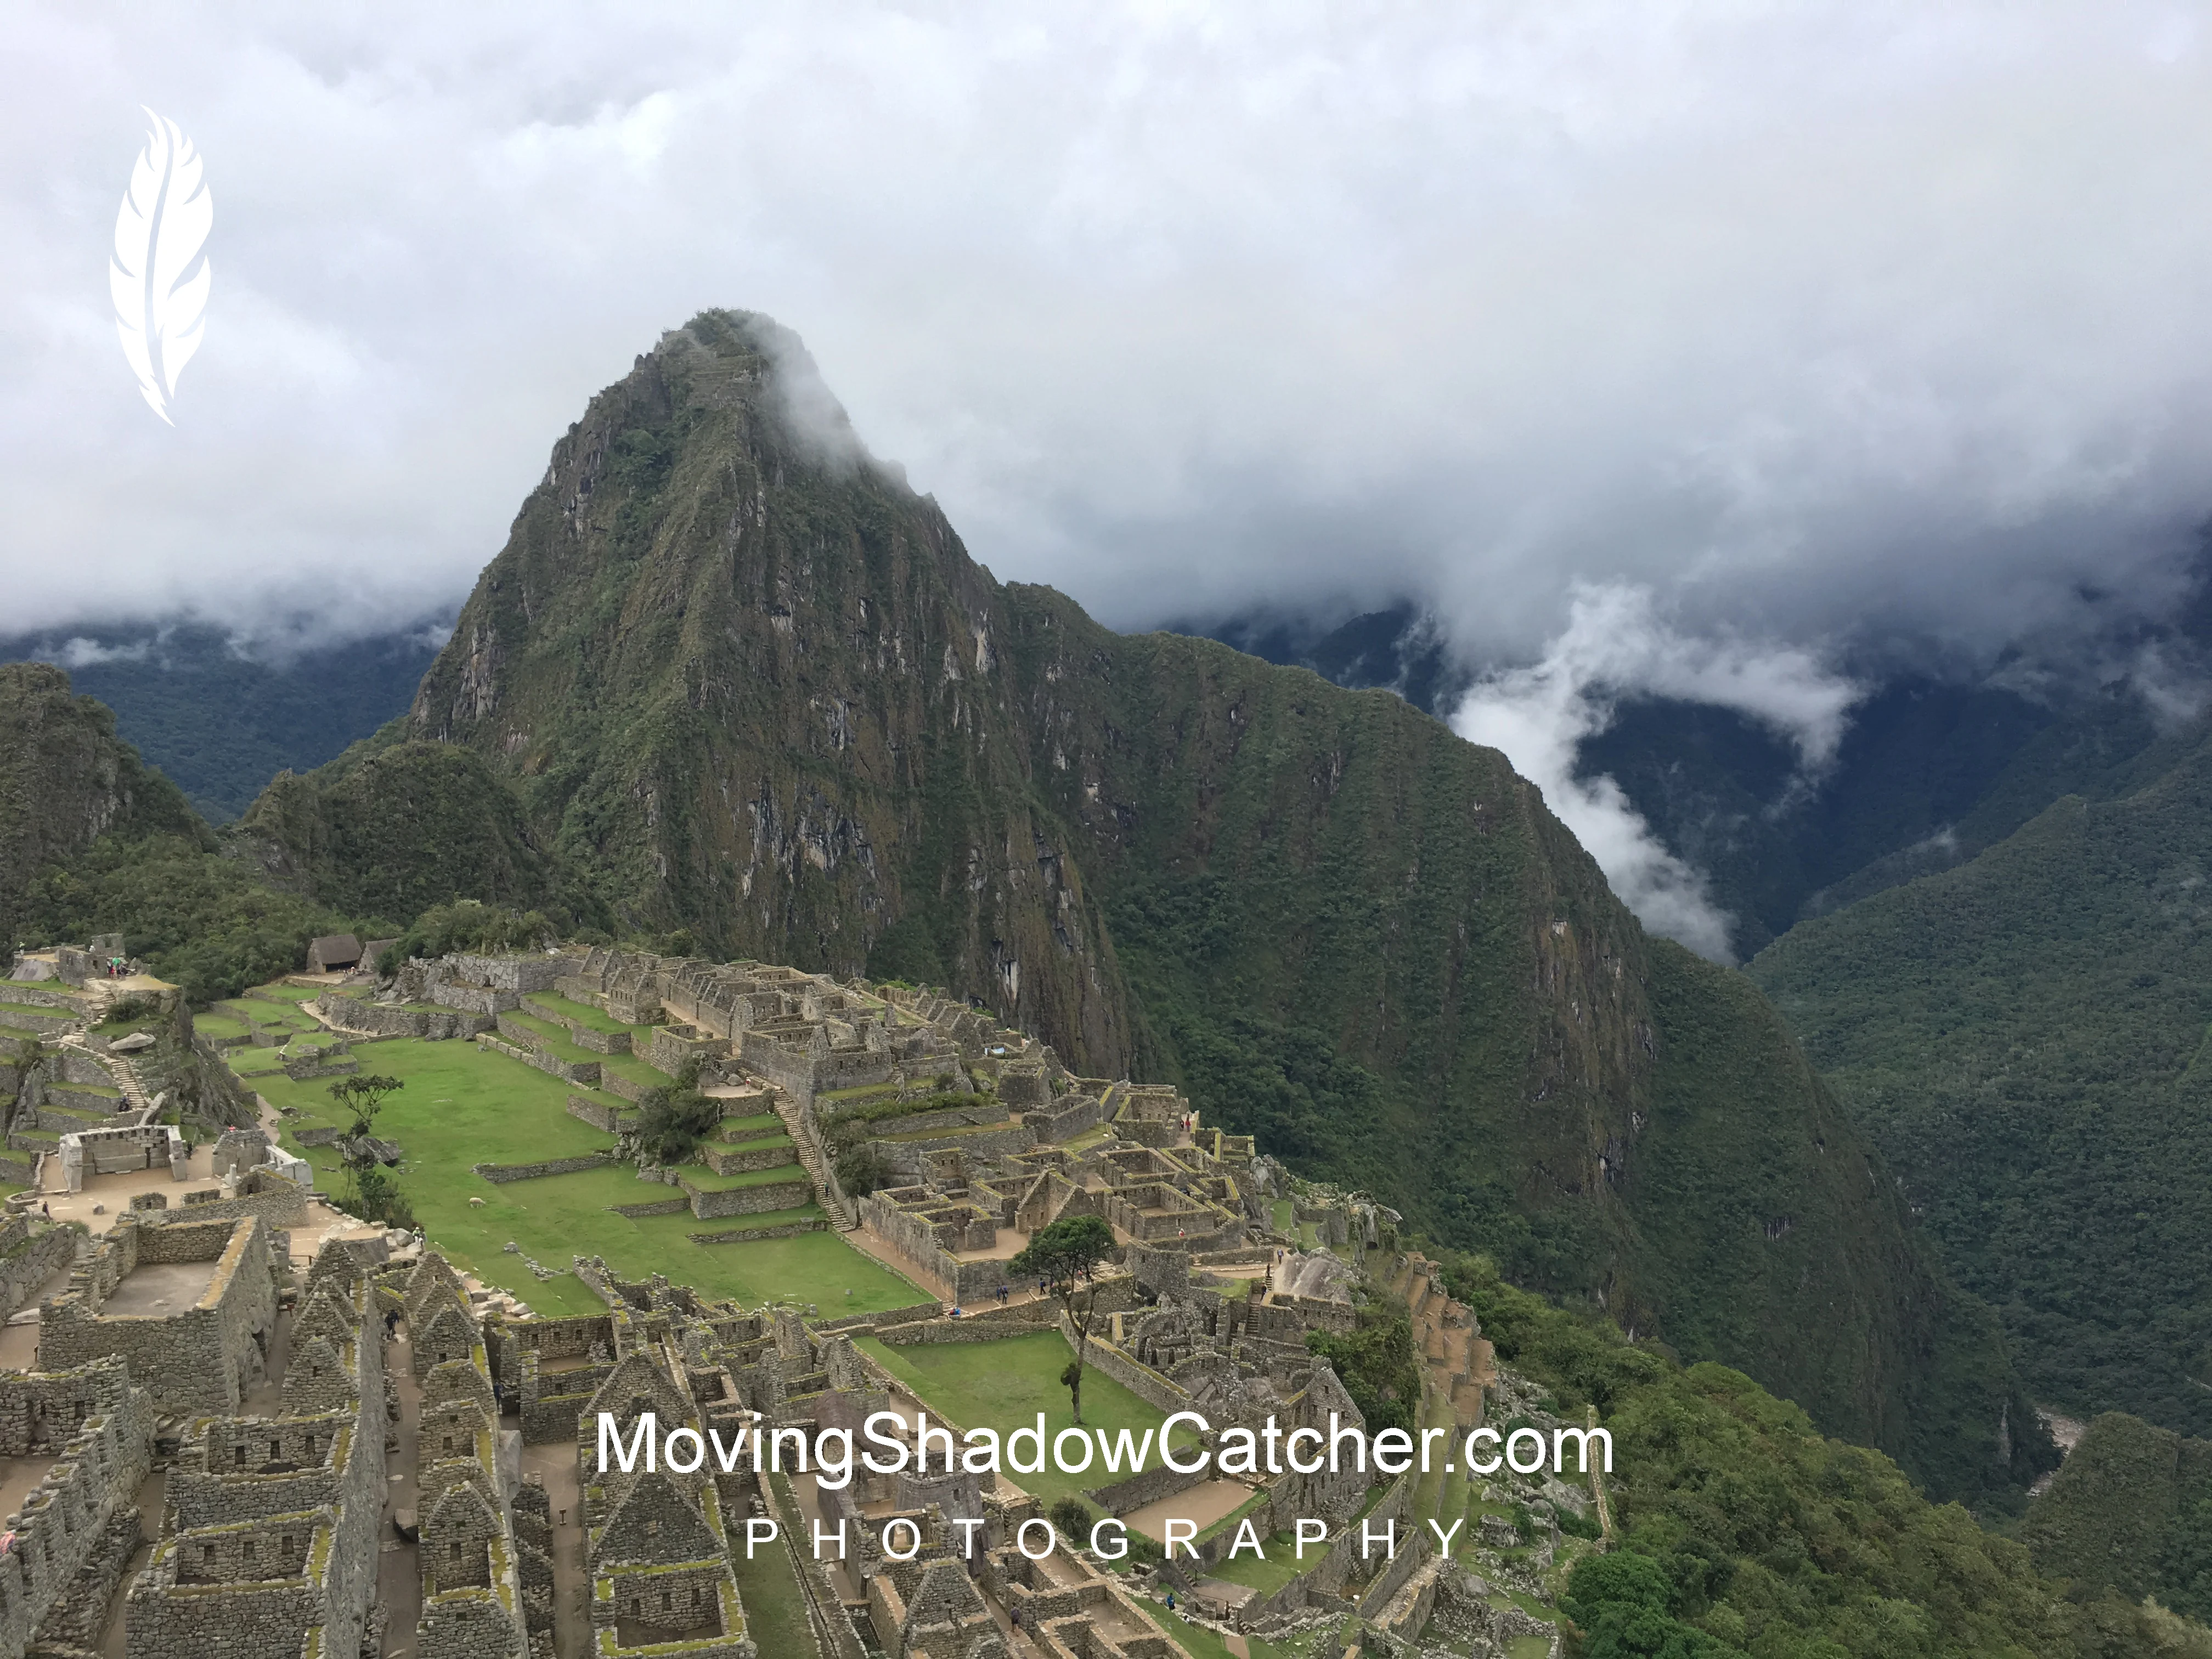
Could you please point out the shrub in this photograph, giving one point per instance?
(1072, 1516)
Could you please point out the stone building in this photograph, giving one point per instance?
(73, 1535)
(189, 1305)
(282, 1514)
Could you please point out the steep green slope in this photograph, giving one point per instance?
(742, 680)
(92, 842)
(1770, 1539)
(221, 725)
(2027, 1038)
(2131, 1512)
(65, 781)
(390, 831)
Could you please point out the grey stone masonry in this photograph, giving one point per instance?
(201, 1358)
(100, 1430)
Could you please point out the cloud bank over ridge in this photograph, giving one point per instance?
(1828, 327)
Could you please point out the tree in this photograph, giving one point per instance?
(376, 1195)
(362, 1096)
(672, 1122)
(1064, 1255)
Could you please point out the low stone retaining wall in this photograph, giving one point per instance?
(597, 1115)
(307, 1071)
(1064, 1122)
(37, 1261)
(501, 1174)
(588, 1036)
(1120, 1496)
(473, 999)
(711, 1204)
(879, 1320)
(905, 1156)
(744, 1160)
(746, 1235)
(1139, 1379)
(585, 1071)
(51, 1024)
(79, 1097)
(992, 1325)
(657, 1206)
(628, 1088)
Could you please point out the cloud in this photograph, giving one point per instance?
(1822, 322)
(82, 652)
(1617, 642)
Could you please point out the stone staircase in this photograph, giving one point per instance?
(842, 1213)
(1460, 1363)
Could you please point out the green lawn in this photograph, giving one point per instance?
(556, 1041)
(288, 993)
(764, 1218)
(766, 1124)
(464, 1105)
(1280, 1567)
(8, 1009)
(775, 1605)
(708, 1181)
(584, 1014)
(1003, 1385)
(633, 1068)
(1200, 1642)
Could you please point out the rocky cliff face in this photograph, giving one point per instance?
(66, 780)
(742, 680)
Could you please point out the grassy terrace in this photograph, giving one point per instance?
(1003, 1385)
(583, 1013)
(555, 1041)
(759, 1125)
(707, 1181)
(18, 1009)
(464, 1105)
(632, 1068)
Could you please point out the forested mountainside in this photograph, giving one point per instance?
(65, 781)
(739, 681)
(2131, 1512)
(1929, 771)
(2027, 1038)
(220, 725)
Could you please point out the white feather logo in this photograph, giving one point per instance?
(158, 275)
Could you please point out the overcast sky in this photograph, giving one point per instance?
(1769, 326)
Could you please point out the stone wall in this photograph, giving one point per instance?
(991, 1325)
(745, 1160)
(593, 1112)
(63, 1528)
(905, 1157)
(747, 1235)
(473, 999)
(585, 1072)
(1149, 1486)
(500, 1173)
(32, 1264)
(1140, 1379)
(395, 1020)
(519, 974)
(200, 1359)
(711, 1204)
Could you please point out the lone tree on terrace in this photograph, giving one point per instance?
(362, 1096)
(1064, 1255)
